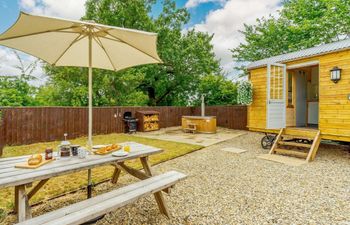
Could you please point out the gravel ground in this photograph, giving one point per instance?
(228, 188)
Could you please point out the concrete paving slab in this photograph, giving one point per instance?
(234, 150)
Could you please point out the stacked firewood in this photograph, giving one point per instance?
(150, 118)
(151, 126)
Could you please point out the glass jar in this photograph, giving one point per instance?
(82, 152)
(65, 149)
(74, 149)
(48, 154)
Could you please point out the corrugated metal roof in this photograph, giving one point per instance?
(309, 52)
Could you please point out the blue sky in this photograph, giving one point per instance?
(222, 18)
(8, 13)
(198, 13)
(9, 10)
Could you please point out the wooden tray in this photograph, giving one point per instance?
(24, 165)
(116, 149)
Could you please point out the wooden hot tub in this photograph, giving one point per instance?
(203, 124)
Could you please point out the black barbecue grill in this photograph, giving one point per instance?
(130, 123)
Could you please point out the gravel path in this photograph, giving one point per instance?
(228, 188)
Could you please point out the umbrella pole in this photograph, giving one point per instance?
(90, 95)
(89, 187)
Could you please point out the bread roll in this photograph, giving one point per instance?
(35, 159)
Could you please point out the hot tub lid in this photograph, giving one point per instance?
(200, 117)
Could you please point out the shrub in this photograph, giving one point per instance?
(245, 93)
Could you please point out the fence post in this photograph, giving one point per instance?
(2, 132)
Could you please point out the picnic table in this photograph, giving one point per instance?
(23, 178)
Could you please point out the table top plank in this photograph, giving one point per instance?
(64, 162)
(11, 176)
(76, 162)
(8, 162)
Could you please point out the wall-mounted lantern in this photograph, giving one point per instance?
(335, 74)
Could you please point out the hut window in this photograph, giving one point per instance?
(290, 90)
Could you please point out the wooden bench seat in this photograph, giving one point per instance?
(92, 208)
(191, 127)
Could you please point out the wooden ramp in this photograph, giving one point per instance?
(298, 142)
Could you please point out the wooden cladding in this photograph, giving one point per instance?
(25, 125)
(334, 105)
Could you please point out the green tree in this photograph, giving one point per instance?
(16, 91)
(68, 86)
(300, 24)
(218, 90)
(188, 56)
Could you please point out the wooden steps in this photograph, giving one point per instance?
(306, 148)
(191, 127)
(290, 143)
(301, 132)
(290, 137)
(291, 152)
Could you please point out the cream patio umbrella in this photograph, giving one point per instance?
(62, 42)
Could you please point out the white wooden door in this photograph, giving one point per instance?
(276, 96)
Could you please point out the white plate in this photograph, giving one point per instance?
(98, 146)
(120, 153)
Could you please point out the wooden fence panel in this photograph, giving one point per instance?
(2, 131)
(25, 125)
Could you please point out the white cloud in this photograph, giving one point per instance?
(226, 22)
(69, 9)
(195, 3)
(8, 61)
(27, 4)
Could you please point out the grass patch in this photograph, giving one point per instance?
(66, 183)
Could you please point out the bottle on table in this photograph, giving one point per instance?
(65, 147)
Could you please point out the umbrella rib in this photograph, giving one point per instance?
(99, 42)
(41, 32)
(67, 31)
(121, 40)
(80, 36)
(112, 39)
